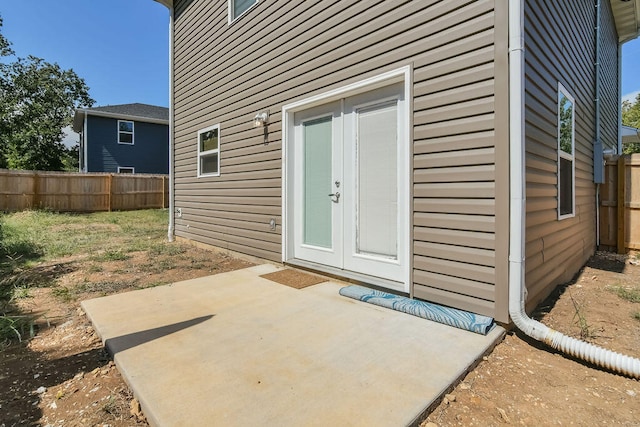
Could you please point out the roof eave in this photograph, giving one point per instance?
(78, 118)
(627, 19)
(167, 3)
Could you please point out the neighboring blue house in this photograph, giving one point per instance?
(127, 138)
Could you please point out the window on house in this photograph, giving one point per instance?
(566, 154)
(238, 7)
(126, 170)
(209, 151)
(125, 132)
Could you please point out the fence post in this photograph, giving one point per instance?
(620, 205)
(110, 189)
(36, 190)
(163, 193)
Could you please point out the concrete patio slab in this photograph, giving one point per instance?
(236, 349)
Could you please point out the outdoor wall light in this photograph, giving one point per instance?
(261, 119)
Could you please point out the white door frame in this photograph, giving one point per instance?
(400, 75)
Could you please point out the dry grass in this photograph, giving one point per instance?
(28, 240)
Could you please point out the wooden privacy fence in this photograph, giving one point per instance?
(81, 192)
(620, 204)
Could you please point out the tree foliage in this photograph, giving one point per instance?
(37, 100)
(566, 124)
(631, 117)
(5, 45)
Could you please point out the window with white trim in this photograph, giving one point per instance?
(239, 7)
(566, 153)
(125, 132)
(209, 151)
(126, 170)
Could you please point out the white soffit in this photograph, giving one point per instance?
(627, 17)
(630, 134)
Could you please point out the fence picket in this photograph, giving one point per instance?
(80, 192)
(620, 204)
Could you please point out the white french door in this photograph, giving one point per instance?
(350, 208)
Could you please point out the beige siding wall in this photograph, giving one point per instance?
(560, 47)
(282, 52)
(461, 169)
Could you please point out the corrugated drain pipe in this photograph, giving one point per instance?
(517, 291)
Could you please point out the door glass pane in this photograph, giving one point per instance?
(317, 182)
(377, 209)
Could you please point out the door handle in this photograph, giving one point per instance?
(336, 195)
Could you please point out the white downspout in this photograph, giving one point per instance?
(517, 175)
(172, 218)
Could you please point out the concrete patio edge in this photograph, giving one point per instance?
(208, 349)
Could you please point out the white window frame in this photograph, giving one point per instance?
(563, 155)
(120, 168)
(231, 18)
(132, 133)
(202, 154)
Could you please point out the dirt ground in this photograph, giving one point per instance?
(523, 382)
(63, 377)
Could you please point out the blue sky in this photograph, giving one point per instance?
(631, 69)
(120, 47)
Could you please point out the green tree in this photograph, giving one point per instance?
(631, 117)
(37, 100)
(5, 50)
(71, 159)
(5, 45)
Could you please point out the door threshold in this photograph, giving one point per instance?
(351, 276)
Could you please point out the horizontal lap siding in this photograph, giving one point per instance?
(609, 96)
(281, 52)
(459, 156)
(560, 47)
